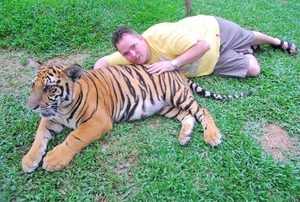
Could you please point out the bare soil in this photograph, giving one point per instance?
(278, 142)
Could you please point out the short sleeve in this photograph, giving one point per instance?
(116, 59)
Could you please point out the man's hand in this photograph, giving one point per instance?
(160, 67)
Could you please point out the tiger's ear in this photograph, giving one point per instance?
(74, 72)
(35, 64)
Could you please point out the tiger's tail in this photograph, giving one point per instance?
(202, 92)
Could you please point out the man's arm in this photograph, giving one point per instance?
(190, 55)
(101, 63)
(194, 53)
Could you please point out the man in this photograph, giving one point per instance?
(196, 46)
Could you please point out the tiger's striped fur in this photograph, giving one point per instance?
(91, 101)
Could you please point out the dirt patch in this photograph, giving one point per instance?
(13, 75)
(277, 142)
(71, 59)
(10, 60)
(15, 60)
(123, 164)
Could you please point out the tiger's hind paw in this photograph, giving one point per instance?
(186, 130)
(184, 138)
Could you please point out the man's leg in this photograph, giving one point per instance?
(234, 64)
(254, 68)
(261, 38)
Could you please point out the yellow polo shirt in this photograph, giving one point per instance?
(169, 40)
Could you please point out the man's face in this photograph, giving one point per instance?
(134, 49)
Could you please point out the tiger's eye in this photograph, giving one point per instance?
(48, 88)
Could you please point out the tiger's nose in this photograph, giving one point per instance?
(33, 107)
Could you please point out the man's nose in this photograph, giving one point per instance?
(132, 53)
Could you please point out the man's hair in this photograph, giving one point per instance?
(118, 34)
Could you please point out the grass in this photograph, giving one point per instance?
(142, 160)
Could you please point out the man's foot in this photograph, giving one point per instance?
(286, 46)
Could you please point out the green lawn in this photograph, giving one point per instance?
(142, 160)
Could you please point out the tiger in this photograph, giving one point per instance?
(91, 101)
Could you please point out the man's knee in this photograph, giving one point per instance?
(253, 71)
(254, 68)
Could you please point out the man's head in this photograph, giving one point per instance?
(131, 45)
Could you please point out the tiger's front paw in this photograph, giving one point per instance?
(31, 161)
(56, 159)
(212, 135)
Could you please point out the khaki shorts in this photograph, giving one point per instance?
(235, 43)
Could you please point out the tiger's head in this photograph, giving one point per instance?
(52, 88)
